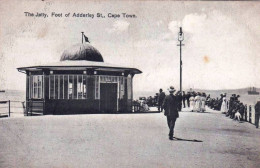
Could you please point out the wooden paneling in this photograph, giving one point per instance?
(59, 107)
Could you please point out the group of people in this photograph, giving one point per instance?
(195, 101)
(236, 109)
(215, 103)
(232, 108)
(172, 104)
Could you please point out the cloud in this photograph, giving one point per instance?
(224, 42)
(167, 37)
(194, 22)
(173, 26)
(159, 23)
(191, 23)
(118, 26)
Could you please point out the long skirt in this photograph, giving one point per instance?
(203, 108)
(198, 105)
(192, 105)
(224, 107)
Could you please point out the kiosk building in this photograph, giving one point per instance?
(80, 83)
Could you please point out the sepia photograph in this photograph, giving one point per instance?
(129, 84)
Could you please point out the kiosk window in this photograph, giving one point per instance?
(71, 80)
(97, 93)
(36, 86)
(66, 87)
(61, 84)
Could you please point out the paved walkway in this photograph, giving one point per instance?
(128, 140)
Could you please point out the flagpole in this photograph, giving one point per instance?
(82, 36)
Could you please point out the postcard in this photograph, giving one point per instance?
(129, 84)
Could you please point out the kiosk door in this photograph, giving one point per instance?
(108, 97)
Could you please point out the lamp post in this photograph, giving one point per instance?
(180, 39)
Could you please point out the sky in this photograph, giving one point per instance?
(221, 40)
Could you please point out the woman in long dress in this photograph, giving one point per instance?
(198, 103)
(224, 108)
(192, 102)
(203, 102)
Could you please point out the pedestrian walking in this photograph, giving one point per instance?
(198, 102)
(161, 97)
(188, 99)
(192, 102)
(203, 102)
(224, 108)
(183, 98)
(170, 106)
(179, 100)
(257, 113)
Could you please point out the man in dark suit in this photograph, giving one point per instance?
(188, 95)
(179, 100)
(161, 97)
(183, 98)
(257, 113)
(170, 106)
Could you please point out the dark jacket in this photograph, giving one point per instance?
(170, 105)
(179, 101)
(257, 107)
(161, 97)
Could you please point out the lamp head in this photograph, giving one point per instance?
(180, 35)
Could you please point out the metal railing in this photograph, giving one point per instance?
(8, 107)
(35, 107)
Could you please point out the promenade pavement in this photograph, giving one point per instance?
(128, 140)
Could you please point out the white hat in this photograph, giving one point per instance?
(171, 89)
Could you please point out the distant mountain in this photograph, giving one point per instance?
(242, 91)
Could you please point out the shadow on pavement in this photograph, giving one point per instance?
(191, 140)
(194, 112)
(148, 112)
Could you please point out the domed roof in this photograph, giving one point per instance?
(82, 52)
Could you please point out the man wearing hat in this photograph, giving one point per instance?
(257, 113)
(161, 97)
(170, 106)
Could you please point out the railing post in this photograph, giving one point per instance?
(31, 105)
(9, 109)
(43, 107)
(24, 108)
(250, 114)
(245, 113)
(27, 108)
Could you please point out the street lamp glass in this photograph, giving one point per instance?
(181, 36)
